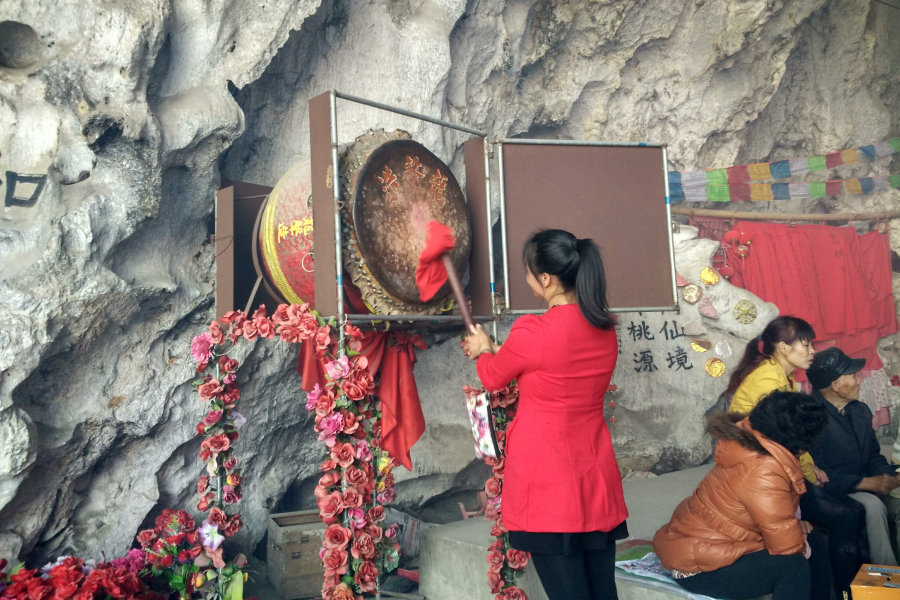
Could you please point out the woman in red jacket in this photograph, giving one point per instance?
(562, 490)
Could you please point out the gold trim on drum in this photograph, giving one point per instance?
(270, 254)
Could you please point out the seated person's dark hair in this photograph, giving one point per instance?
(795, 421)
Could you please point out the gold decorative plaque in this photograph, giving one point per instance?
(709, 276)
(715, 367)
(745, 312)
(691, 293)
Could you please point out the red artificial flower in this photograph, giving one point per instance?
(307, 326)
(495, 581)
(374, 531)
(376, 514)
(343, 454)
(328, 465)
(514, 593)
(490, 512)
(363, 546)
(336, 536)
(210, 389)
(234, 525)
(232, 435)
(351, 422)
(174, 540)
(495, 561)
(335, 562)
(217, 517)
(516, 558)
(231, 494)
(217, 443)
(248, 330)
(281, 315)
(499, 467)
(201, 428)
(265, 328)
(227, 365)
(215, 333)
(230, 463)
(202, 484)
(184, 556)
(322, 340)
(492, 487)
(352, 498)
(166, 561)
(366, 576)
(495, 530)
(353, 390)
(325, 404)
(330, 506)
(233, 479)
(146, 538)
(356, 477)
(204, 453)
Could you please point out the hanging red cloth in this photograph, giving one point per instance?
(391, 354)
(837, 280)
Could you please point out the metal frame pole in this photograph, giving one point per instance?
(409, 113)
(669, 227)
(503, 239)
(539, 142)
(338, 242)
(490, 235)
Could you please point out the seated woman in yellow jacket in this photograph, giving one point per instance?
(768, 365)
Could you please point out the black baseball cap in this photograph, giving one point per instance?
(829, 364)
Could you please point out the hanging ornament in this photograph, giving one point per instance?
(701, 344)
(732, 237)
(714, 367)
(743, 250)
(724, 349)
(707, 309)
(709, 276)
(726, 271)
(691, 293)
(744, 312)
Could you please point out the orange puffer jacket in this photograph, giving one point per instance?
(746, 503)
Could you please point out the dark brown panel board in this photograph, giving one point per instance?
(612, 194)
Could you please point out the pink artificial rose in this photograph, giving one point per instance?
(330, 506)
(363, 546)
(366, 576)
(391, 532)
(492, 487)
(356, 477)
(495, 581)
(230, 463)
(212, 417)
(322, 339)
(376, 514)
(307, 326)
(514, 593)
(229, 494)
(313, 396)
(387, 496)
(336, 536)
(201, 348)
(363, 452)
(335, 562)
(329, 427)
(495, 561)
(352, 498)
(356, 518)
(338, 369)
(351, 423)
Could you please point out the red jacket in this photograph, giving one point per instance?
(561, 474)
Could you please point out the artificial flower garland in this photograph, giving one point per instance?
(505, 564)
(357, 481)
(355, 486)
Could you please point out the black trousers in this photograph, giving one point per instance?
(588, 575)
(789, 577)
(845, 519)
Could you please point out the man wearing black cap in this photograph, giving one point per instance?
(849, 451)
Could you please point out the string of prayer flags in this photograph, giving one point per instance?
(766, 192)
(782, 169)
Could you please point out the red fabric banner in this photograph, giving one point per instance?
(392, 355)
(832, 277)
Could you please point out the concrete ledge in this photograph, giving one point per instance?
(453, 565)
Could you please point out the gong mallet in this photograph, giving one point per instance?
(435, 268)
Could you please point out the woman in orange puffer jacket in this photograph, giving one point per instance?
(738, 535)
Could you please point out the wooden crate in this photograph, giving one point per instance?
(294, 567)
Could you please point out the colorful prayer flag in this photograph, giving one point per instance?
(761, 192)
(760, 172)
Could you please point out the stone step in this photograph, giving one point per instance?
(452, 563)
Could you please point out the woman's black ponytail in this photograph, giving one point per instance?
(578, 265)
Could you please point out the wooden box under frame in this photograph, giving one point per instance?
(293, 564)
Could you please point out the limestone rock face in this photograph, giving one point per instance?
(116, 120)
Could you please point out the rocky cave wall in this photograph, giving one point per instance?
(133, 111)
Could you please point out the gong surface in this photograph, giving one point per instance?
(400, 188)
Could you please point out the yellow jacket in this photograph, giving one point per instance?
(762, 381)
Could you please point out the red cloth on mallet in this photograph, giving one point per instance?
(431, 274)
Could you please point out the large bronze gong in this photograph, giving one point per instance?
(398, 187)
